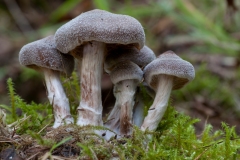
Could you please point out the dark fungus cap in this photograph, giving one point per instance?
(126, 70)
(99, 25)
(169, 63)
(43, 53)
(124, 53)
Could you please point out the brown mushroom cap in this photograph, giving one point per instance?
(123, 53)
(126, 70)
(43, 53)
(99, 25)
(169, 63)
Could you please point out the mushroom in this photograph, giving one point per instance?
(167, 72)
(42, 55)
(122, 53)
(94, 29)
(125, 76)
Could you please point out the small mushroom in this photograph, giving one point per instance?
(120, 53)
(128, 53)
(166, 73)
(94, 29)
(125, 76)
(42, 55)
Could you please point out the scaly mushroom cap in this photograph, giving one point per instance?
(43, 53)
(126, 70)
(169, 63)
(123, 53)
(99, 25)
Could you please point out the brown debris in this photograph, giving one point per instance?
(9, 153)
(25, 147)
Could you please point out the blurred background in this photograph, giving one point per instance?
(204, 32)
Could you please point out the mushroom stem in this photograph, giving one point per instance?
(90, 108)
(138, 110)
(159, 106)
(57, 98)
(124, 91)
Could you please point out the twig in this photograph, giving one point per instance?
(45, 156)
(17, 123)
(8, 140)
(43, 128)
(33, 156)
(108, 120)
(94, 154)
(62, 158)
(199, 156)
(22, 120)
(107, 96)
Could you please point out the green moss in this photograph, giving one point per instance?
(41, 114)
(12, 98)
(72, 89)
(175, 137)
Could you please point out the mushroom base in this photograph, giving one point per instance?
(159, 106)
(57, 98)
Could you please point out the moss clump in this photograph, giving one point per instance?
(175, 138)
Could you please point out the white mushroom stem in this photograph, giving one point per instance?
(57, 98)
(124, 92)
(90, 108)
(159, 106)
(138, 110)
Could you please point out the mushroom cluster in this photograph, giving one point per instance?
(101, 41)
